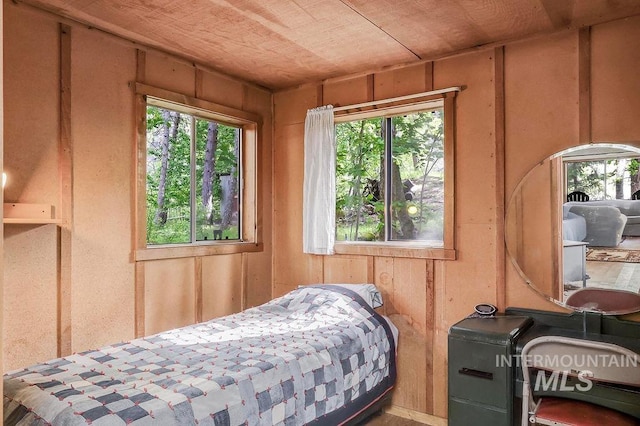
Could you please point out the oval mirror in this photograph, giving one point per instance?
(573, 228)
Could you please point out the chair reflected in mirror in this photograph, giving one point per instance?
(604, 300)
(577, 196)
(558, 382)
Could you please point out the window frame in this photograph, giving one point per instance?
(250, 238)
(414, 249)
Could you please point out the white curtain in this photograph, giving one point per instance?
(319, 199)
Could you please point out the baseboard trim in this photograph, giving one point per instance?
(417, 416)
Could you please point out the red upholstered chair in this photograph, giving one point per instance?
(611, 301)
(553, 359)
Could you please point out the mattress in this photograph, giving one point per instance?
(318, 355)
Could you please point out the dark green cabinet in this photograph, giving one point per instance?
(481, 370)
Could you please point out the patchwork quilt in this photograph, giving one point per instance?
(317, 355)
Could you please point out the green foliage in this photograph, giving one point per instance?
(584, 176)
(175, 231)
(419, 135)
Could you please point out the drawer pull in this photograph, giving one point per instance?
(476, 373)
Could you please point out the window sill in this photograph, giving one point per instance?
(175, 252)
(395, 249)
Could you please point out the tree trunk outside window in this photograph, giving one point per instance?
(170, 132)
(208, 170)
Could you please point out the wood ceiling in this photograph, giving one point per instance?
(285, 43)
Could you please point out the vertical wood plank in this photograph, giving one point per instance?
(584, 84)
(343, 92)
(449, 175)
(410, 290)
(407, 286)
(197, 288)
(139, 179)
(139, 168)
(169, 294)
(221, 285)
(139, 299)
(346, 269)
(244, 278)
(498, 84)
(410, 300)
(399, 82)
(383, 269)
(252, 229)
(198, 83)
(429, 334)
(245, 97)
(614, 65)
(141, 61)
(65, 153)
(428, 76)
(518, 226)
(370, 269)
(371, 95)
(252, 198)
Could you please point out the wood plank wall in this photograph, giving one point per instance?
(30, 161)
(520, 103)
(71, 130)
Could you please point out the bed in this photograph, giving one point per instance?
(317, 355)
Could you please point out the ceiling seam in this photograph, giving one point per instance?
(380, 28)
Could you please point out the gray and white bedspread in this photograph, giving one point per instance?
(312, 356)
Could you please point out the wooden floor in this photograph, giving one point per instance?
(617, 275)
(613, 275)
(385, 419)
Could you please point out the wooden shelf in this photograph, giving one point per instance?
(30, 221)
(29, 214)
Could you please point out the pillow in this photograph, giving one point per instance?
(369, 292)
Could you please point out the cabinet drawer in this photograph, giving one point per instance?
(478, 372)
(463, 413)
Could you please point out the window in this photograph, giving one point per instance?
(604, 179)
(393, 173)
(197, 168)
(193, 178)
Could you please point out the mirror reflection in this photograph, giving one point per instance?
(573, 228)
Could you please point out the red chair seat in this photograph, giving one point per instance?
(578, 413)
